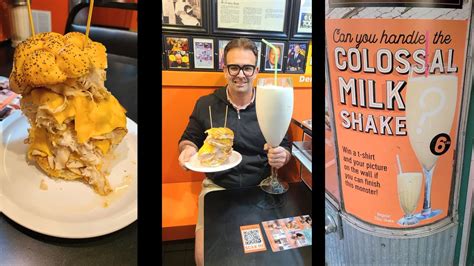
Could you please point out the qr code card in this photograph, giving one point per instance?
(252, 238)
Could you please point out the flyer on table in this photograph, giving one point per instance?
(289, 233)
(396, 89)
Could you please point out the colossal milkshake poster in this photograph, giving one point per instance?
(387, 105)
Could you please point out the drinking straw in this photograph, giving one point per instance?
(89, 17)
(399, 165)
(225, 120)
(276, 57)
(427, 52)
(210, 115)
(30, 17)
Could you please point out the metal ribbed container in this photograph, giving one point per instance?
(361, 248)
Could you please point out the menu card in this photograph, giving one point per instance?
(252, 238)
(289, 233)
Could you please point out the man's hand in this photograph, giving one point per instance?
(185, 155)
(277, 157)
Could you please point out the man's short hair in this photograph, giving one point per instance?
(242, 43)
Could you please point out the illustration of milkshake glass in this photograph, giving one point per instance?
(430, 106)
(409, 191)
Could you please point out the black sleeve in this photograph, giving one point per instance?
(194, 131)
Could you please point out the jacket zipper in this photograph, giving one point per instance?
(238, 167)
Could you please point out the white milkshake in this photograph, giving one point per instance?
(409, 190)
(274, 106)
(430, 106)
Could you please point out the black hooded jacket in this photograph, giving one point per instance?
(248, 139)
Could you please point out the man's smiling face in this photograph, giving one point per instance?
(240, 82)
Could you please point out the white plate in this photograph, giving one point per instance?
(194, 164)
(68, 209)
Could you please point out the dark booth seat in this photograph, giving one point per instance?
(122, 82)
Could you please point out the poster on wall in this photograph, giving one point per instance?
(182, 13)
(221, 46)
(305, 17)
(262, 15)
(296, 57)
(392, 3)
(309, 62)
(177, 52)
(259, 51)
(396, 84)
(271, 57)
(203, 53)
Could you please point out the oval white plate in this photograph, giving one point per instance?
(194, 164)
(68, 209)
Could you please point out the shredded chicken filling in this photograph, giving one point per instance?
(91, 84)
(68, 154)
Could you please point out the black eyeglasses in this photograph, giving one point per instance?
(234, 70)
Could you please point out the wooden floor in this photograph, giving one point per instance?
(178, 253)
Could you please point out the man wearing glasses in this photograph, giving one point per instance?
(240, 70)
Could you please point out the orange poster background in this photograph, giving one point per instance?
(383, 208)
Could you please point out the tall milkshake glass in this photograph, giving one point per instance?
(274, 106)
(430, 106)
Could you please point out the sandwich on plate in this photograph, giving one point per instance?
(217, 146)
(75, 122)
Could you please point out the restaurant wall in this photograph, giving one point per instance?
(59, 12)
(180, 91)
(134, 21)
(101, 16)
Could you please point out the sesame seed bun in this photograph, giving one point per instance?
(51, 58)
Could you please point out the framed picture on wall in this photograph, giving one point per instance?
(270, 62)
(203, 52)
(309, 61)
(184, 15)
(253, 18)
(177, 52)
(259, 48)
(302, 24)
(296, 57)
(163, 65)
(220, 50)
